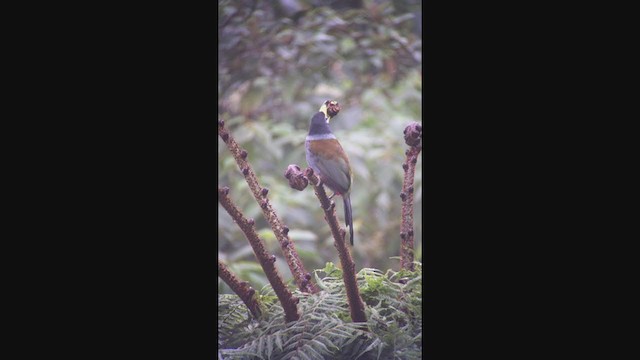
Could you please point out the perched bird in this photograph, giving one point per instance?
(327, 158)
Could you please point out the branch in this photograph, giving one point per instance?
(300, 275)
(413, 138)
(267, 261)
(242, 288)
(297, 181)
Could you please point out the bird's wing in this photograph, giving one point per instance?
(335, 174)
(329, 159)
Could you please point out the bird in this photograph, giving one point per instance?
(328, 159)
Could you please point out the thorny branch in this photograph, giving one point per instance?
(413, 138)
(267, 261)
(242, 288)
(298, 181)
(300, 275)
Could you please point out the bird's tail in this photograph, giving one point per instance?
(347, 216)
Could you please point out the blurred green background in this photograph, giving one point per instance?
(278, 62)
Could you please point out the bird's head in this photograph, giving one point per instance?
(330, 109)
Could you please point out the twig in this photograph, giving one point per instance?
(413, 138)
(356, 305)
(300, 274)
(242, 288)
(267, 261)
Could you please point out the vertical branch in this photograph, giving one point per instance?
(267, 261)
(413, 138)
(242, 288)
(300, 275)
(297, 181)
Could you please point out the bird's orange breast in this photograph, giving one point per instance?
(329, 149)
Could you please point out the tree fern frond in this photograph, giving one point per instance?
(324, 330)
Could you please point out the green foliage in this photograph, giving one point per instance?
(324, 330)
(268, 61)
(276, 66)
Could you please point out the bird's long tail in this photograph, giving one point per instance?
(347, 216)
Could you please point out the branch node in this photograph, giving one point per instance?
(273, 258)
(221, 123)
(403, 196)
(264, 204)
(403, 235)
(413, 134)
(296, 178)
(245, 171)
(285, 230)
(251, 222)
(264, 192)
(224, 190)
(405, 166)
(224, 137)
(243, 154)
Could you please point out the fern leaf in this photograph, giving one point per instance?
(279, 341)
(321, 345)
(270, 341)
(261, 345)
